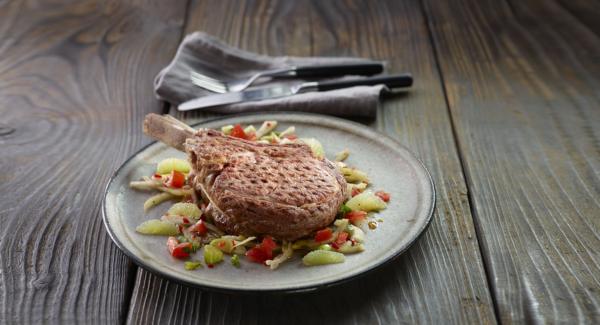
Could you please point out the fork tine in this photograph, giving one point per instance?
(209, 86)
(197, 75)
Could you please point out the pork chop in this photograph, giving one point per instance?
(281, 190)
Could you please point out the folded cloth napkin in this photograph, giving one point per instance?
(205, 54)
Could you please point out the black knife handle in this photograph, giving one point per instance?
(357, 69)
(392, 81)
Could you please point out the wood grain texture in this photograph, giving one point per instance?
(441, 278)
(75, 84)
(523, 80)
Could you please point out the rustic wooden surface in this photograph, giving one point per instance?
(441, 278)
(505, 113)
(75, 83)
(523, 86)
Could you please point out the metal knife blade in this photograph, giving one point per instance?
(237, 97)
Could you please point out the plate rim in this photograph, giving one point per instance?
(306, 288)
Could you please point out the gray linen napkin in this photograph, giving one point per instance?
(207, 55)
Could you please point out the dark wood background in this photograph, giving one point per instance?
(505, 113)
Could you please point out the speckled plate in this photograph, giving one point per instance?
(390, 166)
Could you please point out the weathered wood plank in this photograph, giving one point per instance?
(441, 278)
(75, 83)
(522, 80)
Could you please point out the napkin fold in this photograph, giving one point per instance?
(207, 55)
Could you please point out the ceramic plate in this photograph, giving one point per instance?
(390, 166)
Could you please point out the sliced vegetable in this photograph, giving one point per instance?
(360, 186)
(250, 129)
(223, 244)
(227, 129)
(168, 165)
(263, 251)
(176, 180)
(287, 132)
(235, 260)
(244, 242)
(383, 195)
(356, 217)
(366, 201)
(323, 235)
(356, 234)
(286, 141)
(355, 191)
(271, 138)
(265, 128)
(325, 247)
(305, 244)
(212, 255)
(178, 250)
(348, 248)
(178, 220)
(157, 227)
(157, 199)
(257, 255)
(315, 146)
(340, 227)
(340, 240)
(287, 252)
(353, 175)
(199, 228)
(342, 155)
(322, 257)
(190, 210)
(192, 265)
(238, 132)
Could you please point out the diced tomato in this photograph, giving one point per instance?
(341, 238)
(199, 227)
(263, 251)
(238, 132)
(178, 250)
(383, 195)
(355, 191)
(291, 136)
(251, 136)
(157, 176)
(268, 245)
(323, 235)
(185, 220)
(356, 216)
(176, 180)
(257, 255)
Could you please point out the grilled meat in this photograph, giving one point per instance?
(254, 188)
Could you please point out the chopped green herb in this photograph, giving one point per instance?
(195, 246)
(235, 260)
(192, 265)
(344, 209)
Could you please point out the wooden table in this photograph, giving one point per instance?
(505, 113)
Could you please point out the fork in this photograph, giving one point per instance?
(220, 86)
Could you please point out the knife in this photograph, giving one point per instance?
(391, 81)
